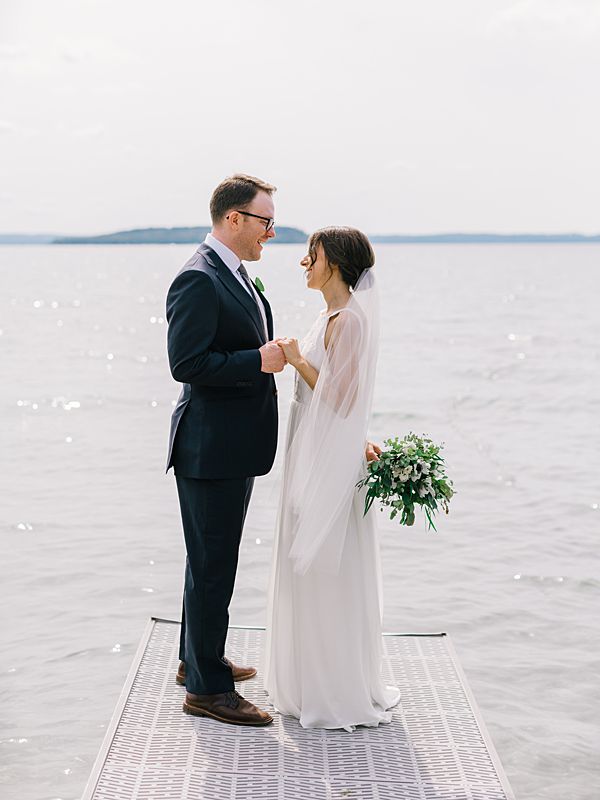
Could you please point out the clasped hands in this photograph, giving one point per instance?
(279, 352)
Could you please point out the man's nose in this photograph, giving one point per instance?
(271, 233)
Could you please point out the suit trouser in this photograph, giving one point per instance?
(213, 514)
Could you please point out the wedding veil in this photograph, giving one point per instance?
(327, 454)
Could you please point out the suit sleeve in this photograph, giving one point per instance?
(192, 309)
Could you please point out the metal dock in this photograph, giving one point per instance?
(436, 747)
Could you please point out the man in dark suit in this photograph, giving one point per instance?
(223, 431)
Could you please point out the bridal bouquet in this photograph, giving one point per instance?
(410, 472)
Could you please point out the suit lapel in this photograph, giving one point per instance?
(234, 287)
(268, 312)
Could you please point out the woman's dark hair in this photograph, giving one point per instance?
(346, 248)
(238, 191)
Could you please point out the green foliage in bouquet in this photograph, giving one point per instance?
(410, 472)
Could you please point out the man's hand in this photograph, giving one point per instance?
(372, 452)
(272, 357)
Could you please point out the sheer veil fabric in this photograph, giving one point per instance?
(324, 647)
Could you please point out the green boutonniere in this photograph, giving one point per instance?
(259, 284)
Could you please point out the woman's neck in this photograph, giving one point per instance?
(335, 296)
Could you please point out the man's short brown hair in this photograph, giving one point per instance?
(237, 191)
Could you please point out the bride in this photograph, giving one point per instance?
(324, 646)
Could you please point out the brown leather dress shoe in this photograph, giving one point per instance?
(239, 673)
(228, 707)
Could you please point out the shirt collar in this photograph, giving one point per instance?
(225, 254)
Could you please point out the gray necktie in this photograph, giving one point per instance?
(246, 278)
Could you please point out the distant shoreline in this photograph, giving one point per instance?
(287, 235)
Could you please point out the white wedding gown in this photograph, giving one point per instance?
(324, 645)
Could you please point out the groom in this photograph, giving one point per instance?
(223, 431)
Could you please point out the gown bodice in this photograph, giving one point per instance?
(312, 348)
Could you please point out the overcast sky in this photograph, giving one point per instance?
(391, 115)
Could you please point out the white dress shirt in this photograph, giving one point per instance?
(232, 262)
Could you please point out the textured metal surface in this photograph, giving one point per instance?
(436, 747)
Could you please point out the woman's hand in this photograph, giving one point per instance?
(291, 351)
(372, 452)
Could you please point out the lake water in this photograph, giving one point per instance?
(494, 350)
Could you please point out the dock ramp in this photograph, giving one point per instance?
(436, 747)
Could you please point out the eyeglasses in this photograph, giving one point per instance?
(270, 222)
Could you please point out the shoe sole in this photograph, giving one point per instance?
(181, 681)
(196, 712)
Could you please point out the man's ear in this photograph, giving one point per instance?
(233, 219)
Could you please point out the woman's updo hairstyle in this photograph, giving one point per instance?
(346, 248)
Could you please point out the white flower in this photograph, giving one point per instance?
(424, 467)
(425, 487)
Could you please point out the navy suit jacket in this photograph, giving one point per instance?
(225, 422)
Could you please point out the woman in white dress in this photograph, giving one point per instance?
(324, 646)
